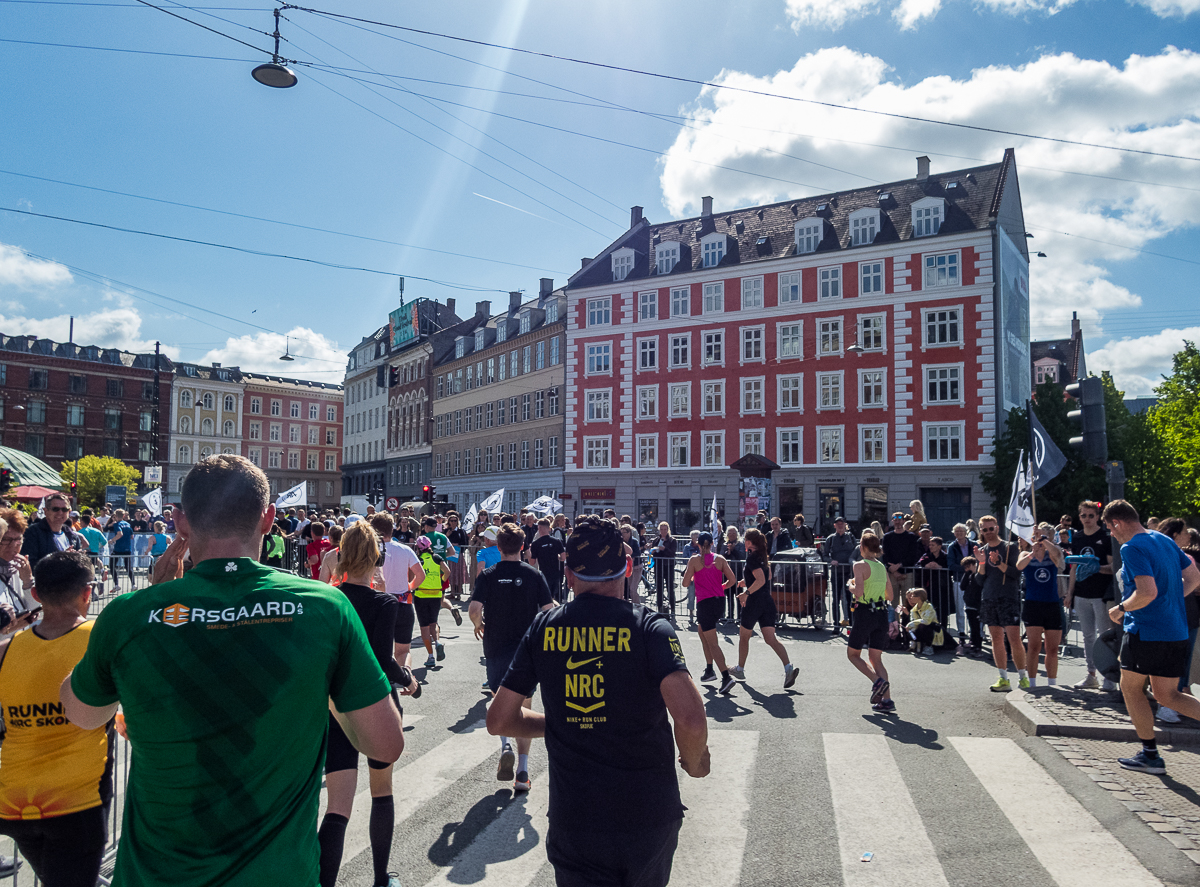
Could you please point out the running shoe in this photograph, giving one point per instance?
(522, 783)
(508, 760)
(878, 689)
(789, 676)
(1023, 684)
(1002, 685)
(393, 880)
(441, 651)
(709, 674)
(727, 685)
(1091, 682)
(738, 672)
(431, 662)
(928, 651)
(1144, 762)
(8, 865)
(884, 706)
(457, 614)
(1168, 715)
(1109, 685)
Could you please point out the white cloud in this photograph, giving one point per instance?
(1149, 102)
(19, 270)
(1171, 8)
(316, 356)
(119, 327)
(908, 13)
(1138, 364)
(828, 13)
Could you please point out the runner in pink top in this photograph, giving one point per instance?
(712, 576)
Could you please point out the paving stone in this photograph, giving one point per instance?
(1181, 841)
(1193, 855)
(1151, 817)
(1162, 827)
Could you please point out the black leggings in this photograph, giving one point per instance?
(115, 562)
(64, 851)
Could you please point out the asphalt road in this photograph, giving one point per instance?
(946, 791)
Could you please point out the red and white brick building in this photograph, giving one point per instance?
(866, 341)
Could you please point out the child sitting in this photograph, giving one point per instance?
(923, 625)
(970, 596)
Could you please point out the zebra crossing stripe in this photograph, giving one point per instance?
(875, 813)
(1073, 847)
(421, 780)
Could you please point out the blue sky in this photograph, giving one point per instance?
(480, 179)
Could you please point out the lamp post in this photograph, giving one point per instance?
(274, 73)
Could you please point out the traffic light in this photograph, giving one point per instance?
(7, 479)
(427, 493)
(1089, 394)
(74, 492)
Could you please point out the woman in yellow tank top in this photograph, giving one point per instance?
(871, 588)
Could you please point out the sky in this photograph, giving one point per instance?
(470, 170)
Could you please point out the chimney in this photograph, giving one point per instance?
(922, 168)
(583, 263)
(545, 287)
(449, 307)
(1075, 332)
(483, 309)
(514, 302)
(216, 366)
(635, 216)
(705, 207)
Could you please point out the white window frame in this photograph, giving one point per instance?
(648, 305)
(923, 219)
(587, 358)
(952, 266)
(713, 248)
(838, 377)
(958, 368)
(671, 364)
(716, 388)
(622, 263)
(593, 448)
(841, 337)
(681, 295)
(599, 311)
(713, 293)
(647, 445)
(926, 427)
(597, 405)
(925, 312)
(675, 438)
(798, 378)
(881, 430)
(652, 341)
(866, 272)
(780, 351)
(829, 283)
(762, 440)
(809, 234)
(787, 280)
(647, 394)
(752, 293)
(883, 387)
(712, 449)
(841, 431)
(873, 349)
(704, 344)
(674, 389)
(779, 445)
(864, 226)
(526, 322)
(761, 410)
(761, 330)
(666, 256)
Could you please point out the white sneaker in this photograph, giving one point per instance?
(1110, 685)
(1091, 682)
(738, 673)
(1168, 715)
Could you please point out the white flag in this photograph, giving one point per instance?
(471, 516)
(153, 501)
(1020, 506)
(41, 512)
(712, 519)
(493, 502)
(297, 495)
(544, 505)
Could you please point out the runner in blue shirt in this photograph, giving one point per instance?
(1155, 577)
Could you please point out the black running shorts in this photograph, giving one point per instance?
(1001, 612)
(340, 754)
(405, 618)
(1046, 615)
(428, 609)
(613, 859)
(1162, 659)
(759, 610)
(868, 628)
(709, 612)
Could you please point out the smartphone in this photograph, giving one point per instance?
(32, 612)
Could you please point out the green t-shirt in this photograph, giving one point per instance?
(224, 677)
(438, 543)
(95, 539)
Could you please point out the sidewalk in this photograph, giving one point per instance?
(1086, 714)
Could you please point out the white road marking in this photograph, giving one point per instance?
(1068, 841)
(874, 812)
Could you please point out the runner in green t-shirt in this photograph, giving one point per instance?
(225, 676)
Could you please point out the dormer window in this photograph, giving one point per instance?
(460, 346)
(622, 263)
(551, 312)
(478, 340)
(712, 249)
(502, 330)
(928, 215)
(864, 225)
(526, 322)
(666, 257)
(809, 234)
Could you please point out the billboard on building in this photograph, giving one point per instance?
(1013, 385)
(405, 322)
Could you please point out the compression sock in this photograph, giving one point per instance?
(383, 822)
(1150, 746)
(1003, 674)
(522, 763)
(331, 837)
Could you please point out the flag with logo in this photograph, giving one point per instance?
(41, 512)
(493, 502)
(297, 495)
(153, 501)
(1020, 506)
(544, 505)
(716, 524)
(1048, 460)
(471, 516)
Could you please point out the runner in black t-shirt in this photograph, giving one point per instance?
(610, 671)
(1087, 595)
(504, 600)
(548, 553)
(758, 608)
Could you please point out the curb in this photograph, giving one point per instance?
(1034, 723)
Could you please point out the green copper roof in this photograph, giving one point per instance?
(30, 469)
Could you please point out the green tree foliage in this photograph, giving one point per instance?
(96, 473)
(1175, 422)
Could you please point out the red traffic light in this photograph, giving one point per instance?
(427, 493)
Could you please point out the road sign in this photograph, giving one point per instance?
(116, 496)
(393, 504)
(152, 474)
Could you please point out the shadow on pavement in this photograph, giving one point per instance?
(516, 838)
(778, 705)
(722, 709)
(474, 714)
(905, 731)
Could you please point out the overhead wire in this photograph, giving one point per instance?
(205, 27)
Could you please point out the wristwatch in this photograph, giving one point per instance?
(1121, 607)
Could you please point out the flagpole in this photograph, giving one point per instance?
(1032, 478)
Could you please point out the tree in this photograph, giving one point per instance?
(96, 473)
(1175, 422)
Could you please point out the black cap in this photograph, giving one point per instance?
(596, 551)
(705, 539)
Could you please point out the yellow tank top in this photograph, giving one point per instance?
(48, 766)
(432, 586)
(875, 588)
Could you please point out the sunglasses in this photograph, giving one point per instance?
(58, 509)
(989, 529)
